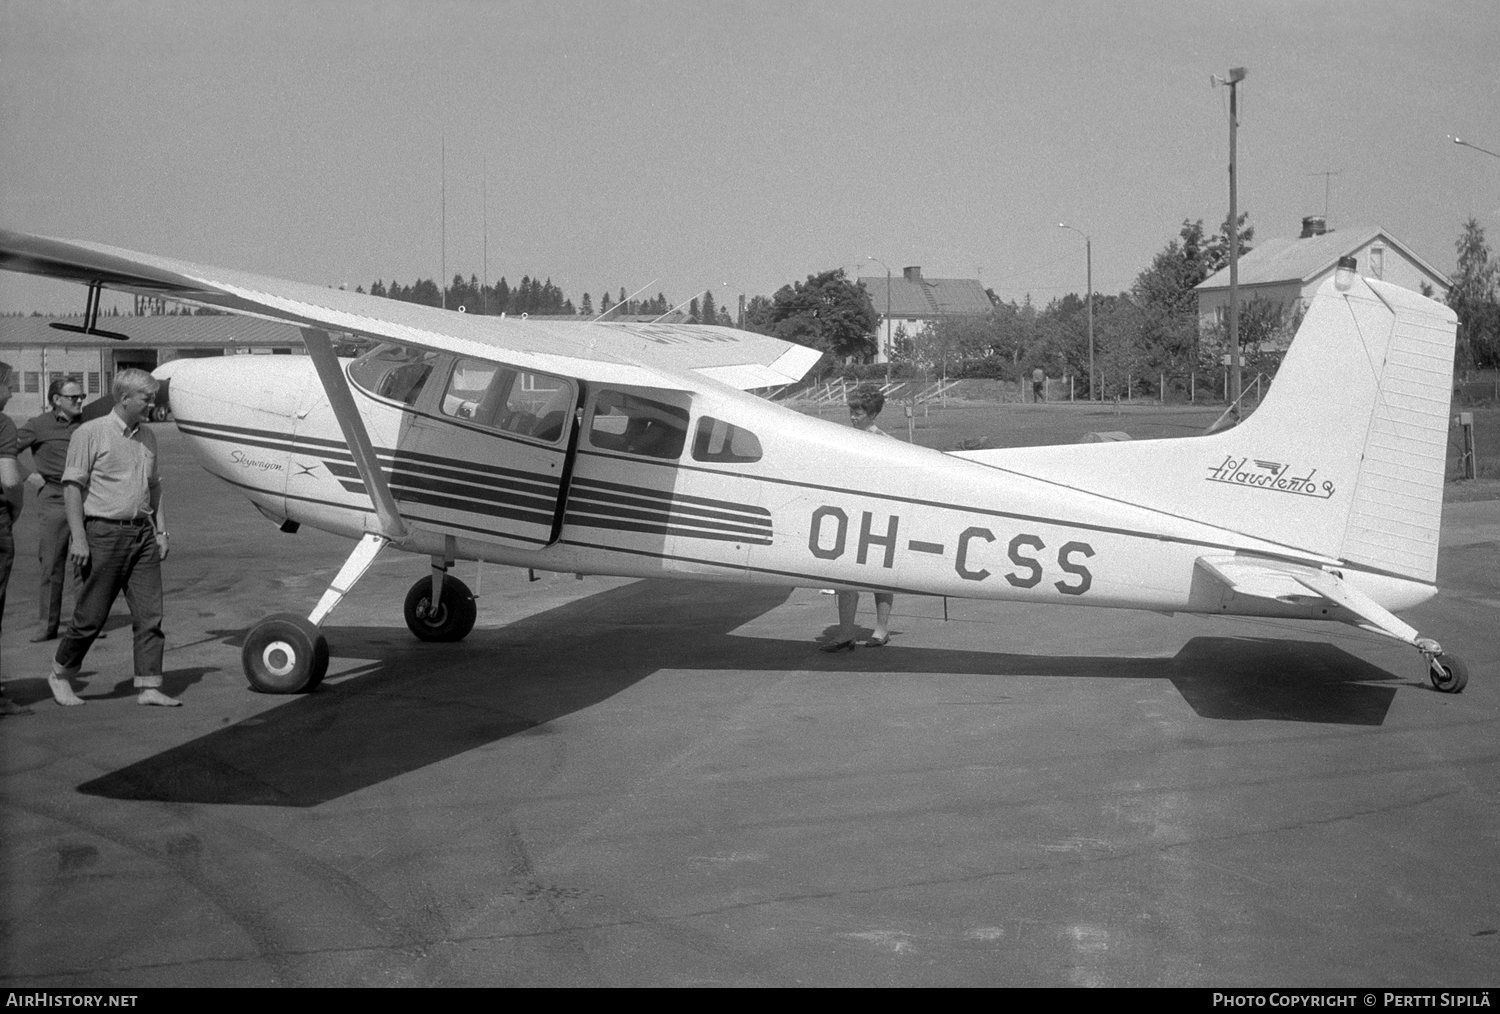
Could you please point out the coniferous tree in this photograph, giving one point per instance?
(1475, 297)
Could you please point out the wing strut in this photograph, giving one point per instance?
(320, 350)
(91, 317)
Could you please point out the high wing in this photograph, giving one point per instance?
(668, 356)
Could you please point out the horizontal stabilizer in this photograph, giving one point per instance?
(1291, 583)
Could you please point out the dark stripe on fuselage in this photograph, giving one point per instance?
(1290, 554)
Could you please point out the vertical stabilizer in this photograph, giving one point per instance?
(1398, 502)
(1344, 458)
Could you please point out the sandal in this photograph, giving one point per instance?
(877, 642)
(833, 646)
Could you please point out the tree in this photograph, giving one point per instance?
(587, 307)
(1164, 293)
(708, 313)
(1474, 298)
(693, 317)
(827, 312)
(758, 314)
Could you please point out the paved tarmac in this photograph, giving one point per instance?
(653, 783)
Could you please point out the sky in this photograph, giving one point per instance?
(686, 144)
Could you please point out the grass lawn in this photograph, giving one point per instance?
(972, 425)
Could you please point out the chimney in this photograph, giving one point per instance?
(1313, 225)
(912, 274)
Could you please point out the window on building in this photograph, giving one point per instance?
(33, 381)
(1377, 262)
(717, 440)
(93, 384)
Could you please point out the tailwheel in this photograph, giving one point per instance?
(1448, 673)
(450, 620)
(285, 654)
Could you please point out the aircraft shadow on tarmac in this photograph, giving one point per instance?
(427, 702)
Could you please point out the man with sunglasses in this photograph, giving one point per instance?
(112, 492)
(47, 436)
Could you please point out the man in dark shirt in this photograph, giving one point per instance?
(47, 436)
(10, 484)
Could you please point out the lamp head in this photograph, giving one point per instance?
(1343, 277)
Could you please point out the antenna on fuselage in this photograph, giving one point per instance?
(680, 305)
(627, 299)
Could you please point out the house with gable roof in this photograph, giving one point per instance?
(912, 303)
(1289, 271)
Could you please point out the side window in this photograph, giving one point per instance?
(625, 422)
(515, 401)
(717, 440)
(394, 371)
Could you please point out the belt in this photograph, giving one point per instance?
(124, 522)
(51, 481)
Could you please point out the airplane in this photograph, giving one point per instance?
(635, 450)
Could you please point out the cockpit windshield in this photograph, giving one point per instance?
(394, 371)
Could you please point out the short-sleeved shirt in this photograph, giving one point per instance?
(7, 450)
(48, 435)
(116, 470)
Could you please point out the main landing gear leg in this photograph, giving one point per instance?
(287, 654)
(440, 608)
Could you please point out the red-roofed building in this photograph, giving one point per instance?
(915, 302)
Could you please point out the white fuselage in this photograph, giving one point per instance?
(824, 505)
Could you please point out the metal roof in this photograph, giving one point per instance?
(156, 331)
(929, 297)
(1302, 260)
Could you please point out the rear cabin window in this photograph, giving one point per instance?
(634, 425)
(519, 402)
(717, 440)
(394, 371)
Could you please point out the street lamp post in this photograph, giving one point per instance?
(1236, 75)
(1088, 248)
(887, 267)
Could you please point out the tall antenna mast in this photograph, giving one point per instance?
(1327, 176)
(484, 185)
(443, 190)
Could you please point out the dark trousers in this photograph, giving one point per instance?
(51, 553)
(121, 558)
(7, 557)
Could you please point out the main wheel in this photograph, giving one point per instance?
(1448, 674)
(453, 617)
(285, 654)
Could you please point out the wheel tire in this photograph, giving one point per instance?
(455, 614)
(284, 654)
(1449, 674)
